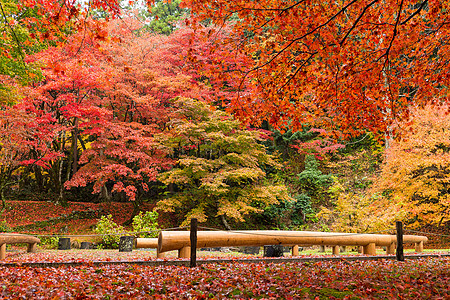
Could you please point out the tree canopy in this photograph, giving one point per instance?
(349, 66)
(219, 171)
(414, 179)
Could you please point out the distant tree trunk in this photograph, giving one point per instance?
(105, 195)
(136, 210)
(39, 178)
(3, 200)
(61, 196)
(75, 147)
(388, 136)
(225, 223)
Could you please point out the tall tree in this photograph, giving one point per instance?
(220, 168)
(24, 145)
(66, 102)
(145, 72)
(17, 41)
(414, 179)
(164, 16)
(349, 65)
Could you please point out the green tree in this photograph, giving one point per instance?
(220, 167)
(164, 15)
(17, 41)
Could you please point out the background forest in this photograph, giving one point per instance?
(223, 117)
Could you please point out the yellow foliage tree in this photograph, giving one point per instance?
(414, 183)
(220, 166)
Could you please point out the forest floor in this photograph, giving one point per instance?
(425, 278)
(49, 219)
(52, 218)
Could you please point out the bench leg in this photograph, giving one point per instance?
(32, 248)
(2, 251)
(295, 250)
(184, 252)
(390, 249)
(336, 250)
(160, 254)
(419, 246)
(370, 249)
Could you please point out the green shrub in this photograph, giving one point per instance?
(110, 232)
(312, 181)
(4, 227)
(146, 222)
(288, 214)
(49, 242)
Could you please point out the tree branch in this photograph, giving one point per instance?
(19, 45)
(424, 3)
(357, 21)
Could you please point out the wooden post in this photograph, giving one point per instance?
(86, 245)
(2, 251)
(64, 244)
(399, 253)
(370, 249)
(360, 249)
(126, 243)
(336, 250)
(31, 247)
(184, 252)
(295, 250)
(194, 227)
(390, 249)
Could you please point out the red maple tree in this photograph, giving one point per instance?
(351, 66)
(145, 72)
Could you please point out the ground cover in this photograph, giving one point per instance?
(51, 218)
(19, 255)
(344, 279)
(385, 279)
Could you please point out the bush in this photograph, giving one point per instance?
(110, 232)
(288, 214)
(4, 227)
(49, 242)
(312, 181)
(146, 222)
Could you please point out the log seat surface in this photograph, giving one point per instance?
(10, 239)
(177, 240)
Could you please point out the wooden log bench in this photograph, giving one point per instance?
(148, 243)
(180, 240)
(10, 239)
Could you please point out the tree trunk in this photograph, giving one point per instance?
(105, 195)
(3, 200)
(225, 223)
(75, 147)
(136, 210)
(61, 196)
(39, 178)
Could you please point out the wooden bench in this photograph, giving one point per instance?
(10, 238)
(180, 240)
